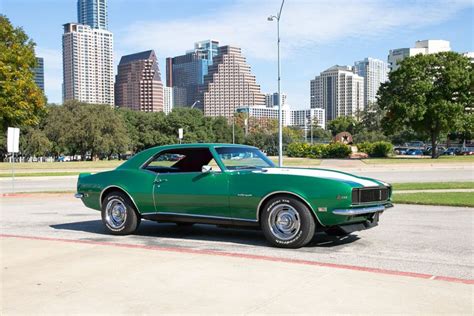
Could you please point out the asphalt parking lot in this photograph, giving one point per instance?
(415, 248)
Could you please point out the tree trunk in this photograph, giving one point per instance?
(433, 144)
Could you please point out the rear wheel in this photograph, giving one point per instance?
(118, 214)
(287, 222)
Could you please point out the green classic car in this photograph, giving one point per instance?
(232, 185)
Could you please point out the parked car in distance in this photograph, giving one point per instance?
(451, 151)
(414, 152)
(439, 150)
(400, 150)
(467, 151)
(208, 185)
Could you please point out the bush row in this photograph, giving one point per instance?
(376, 149)
(305, 150)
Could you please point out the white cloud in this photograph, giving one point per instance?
(53, 75)
(305, 24)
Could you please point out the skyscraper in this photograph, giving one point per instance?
(167, 99)
(39, 73)
(138, 83)
(374, 72)
(188, 71)
(88, 73)
(395, 56)
(230, 84)
(339, 91)
(93, 13)
(271, 99)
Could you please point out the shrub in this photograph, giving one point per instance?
(381, 149)
(337, 150)
(376, 149)
(297, 150)
(305, 150)
(365, 147)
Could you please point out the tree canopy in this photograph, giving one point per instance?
(431, 94)
(21, 100)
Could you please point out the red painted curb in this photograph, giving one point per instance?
(254, 257)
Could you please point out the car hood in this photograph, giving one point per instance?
(325, 174)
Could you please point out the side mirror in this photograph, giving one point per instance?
(206, 169)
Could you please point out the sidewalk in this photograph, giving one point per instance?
(70, 277)
(433, 191)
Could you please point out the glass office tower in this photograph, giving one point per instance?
(93, 13)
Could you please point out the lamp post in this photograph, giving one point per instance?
(280, 114)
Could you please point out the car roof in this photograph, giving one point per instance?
(140, 158)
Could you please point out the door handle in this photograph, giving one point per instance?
(158, 181)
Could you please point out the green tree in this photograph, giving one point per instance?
(431, 94)
(21, 100)
(79, 128)
(34, 142)
(343, 124)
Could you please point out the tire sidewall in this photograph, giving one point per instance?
(306, 222)
(130, 223)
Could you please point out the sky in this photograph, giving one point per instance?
(315, 34)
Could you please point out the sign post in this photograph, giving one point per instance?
(13, 140)
(180, 134)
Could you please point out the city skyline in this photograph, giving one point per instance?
(306, 52)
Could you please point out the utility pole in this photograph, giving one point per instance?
(280, 113)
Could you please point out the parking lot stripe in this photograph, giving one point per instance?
(250, 256)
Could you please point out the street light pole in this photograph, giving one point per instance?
(280, 112)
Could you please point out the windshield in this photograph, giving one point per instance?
(237, 158)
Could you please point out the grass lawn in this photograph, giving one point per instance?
(407, 159)
(433, 185)
(101, 164)
(297, 162)
(443, 198)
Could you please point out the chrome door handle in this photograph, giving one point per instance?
(158, 181)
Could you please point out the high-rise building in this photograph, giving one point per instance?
(271, 99)
(304, 118)
(92, 13)
(395, 56)
(39, 73)
(375, 73)
(138, 83)
(230, 84)
(88, 73)
(167, 99)
(187, 71)
(339, 91)
(301, 118)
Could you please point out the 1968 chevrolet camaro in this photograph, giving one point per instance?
(233, 185)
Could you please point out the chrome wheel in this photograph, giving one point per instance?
(115, 213)
(284, 221)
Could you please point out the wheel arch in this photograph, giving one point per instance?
(267, 197)
(112, 188)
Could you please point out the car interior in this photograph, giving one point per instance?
(181, 160)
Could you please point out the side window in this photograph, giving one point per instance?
(182, 160)
(165, 162)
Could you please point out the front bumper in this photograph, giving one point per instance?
(372, 214)
(361, 210)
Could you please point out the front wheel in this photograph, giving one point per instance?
(118, 214)
(287, 222)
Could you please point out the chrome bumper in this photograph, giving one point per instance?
(362, 210)
(79, 195)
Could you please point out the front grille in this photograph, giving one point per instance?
(367, 195)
